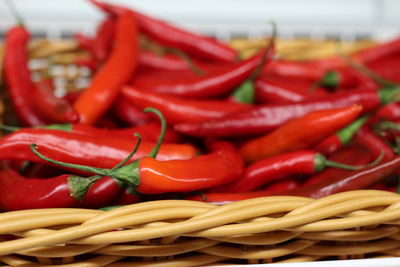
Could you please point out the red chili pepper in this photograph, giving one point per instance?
(18, 76)
(88, 62)
(211, 84)
(387, 67)
(308, 70)
(341, 137)
(388, 112)
(379, 51)
(347, 77)
(20, 193)
(151, 176)
(354, 154)
(264, 118)
(53, 108)
(84, 42)
(301, 133)
(116, 71)
(173, 36)
(179, 110)
(128, 113)
(281, 166)
(279, 89)
(286, 184)
(103, 40)
(377, 146)
(103, 152)
(361, 179)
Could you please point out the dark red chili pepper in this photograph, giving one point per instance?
(211, 84)
(308, 70)
(281, 166)
(103, 40)
(341, 137)
(128, 113)
(172, 36)
(379, 51)
(388, 112)
(107, 82)
(387, 67)
(300, 133)
(19, 192)
(103, 152)
(18, 76)
(179, 110)
(263, 118)
(347, 77)
(377, 146)
(361, 179)
(278, 89)
(354, 154)
(53, 108)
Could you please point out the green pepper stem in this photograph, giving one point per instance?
(388, 125)
(160, 139)
(347, 133)
(389, 95)
(78, 186)
(122, 163)
(11, 7)
(321, 162)
(9, 128)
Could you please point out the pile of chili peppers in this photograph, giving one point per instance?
(217, 128)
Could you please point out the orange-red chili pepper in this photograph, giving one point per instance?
(300, 133)
(116, 71)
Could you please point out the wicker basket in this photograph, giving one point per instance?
(349, 225)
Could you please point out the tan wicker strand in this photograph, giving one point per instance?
(60, 251)
(258, 253)
(188, 261)
(302, 258)
(259, 239)
(340, 249)
(353, 235)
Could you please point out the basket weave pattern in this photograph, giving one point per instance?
(356, 224)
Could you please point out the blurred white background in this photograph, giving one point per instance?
(343, 19)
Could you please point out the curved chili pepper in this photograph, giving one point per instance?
(116, 71)
(301, 133)
(20, 193)
(379, 51)
(341, 137)
(84, 42)
(281, 166)
(211, 84)
(388, 112)
(377, 146)
(278, 89)
(179, 110)
(128, 113)
(264, 118)
(102, 42)
(18, 77)
(361, 179)
(103, 152)
(53, 108)
(172, 36)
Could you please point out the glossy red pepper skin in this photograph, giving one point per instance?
(148, 131)
(180, 110)
(264, 118)
(272, 169)
(54, 109)
(18, 77)
(20, 193)
(362, 179)
(354, 154)
(301, 133)
(103, 152)
(377, 146)
(106, 83)
(278, 89)
(388, 112)
(209, 85)
(103, 40)
(172, 36)
(128, 113)
(221, 166)
(283, 185)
